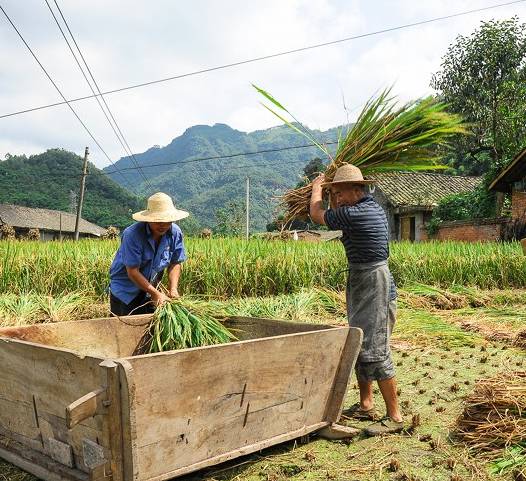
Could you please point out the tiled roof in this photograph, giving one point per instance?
(45, 219)
(421, 189)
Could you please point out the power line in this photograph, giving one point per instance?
(226, 156)
(57, 88)
(267, 57)
(126, 148)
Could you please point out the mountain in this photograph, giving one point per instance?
(204, 186)
(48, 180)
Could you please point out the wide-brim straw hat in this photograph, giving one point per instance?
(348, 174)
(160, 209)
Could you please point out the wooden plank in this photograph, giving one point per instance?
(102, 338)
(112, 431)
(129, 434)
(198, 404)
(37, 464)
(85, 407)
(282, 438)
(36, 385)
(258, 328)
(345, 368)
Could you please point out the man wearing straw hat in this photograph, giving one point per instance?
(147, 248)
(371, 292)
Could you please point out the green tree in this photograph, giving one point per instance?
(230, 220)
(483, 78)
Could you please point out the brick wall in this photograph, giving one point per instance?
(471, 231)
(518, 204)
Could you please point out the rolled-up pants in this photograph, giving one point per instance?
(370, 309)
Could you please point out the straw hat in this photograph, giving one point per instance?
(160, 209)
(348, 174)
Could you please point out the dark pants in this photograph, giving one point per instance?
(136, 306)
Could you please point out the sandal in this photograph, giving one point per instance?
(356, 412)
(385, 426)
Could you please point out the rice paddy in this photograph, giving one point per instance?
(460, 309)
(224, 268)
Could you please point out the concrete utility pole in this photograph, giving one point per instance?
(247, 207)
(81, 197)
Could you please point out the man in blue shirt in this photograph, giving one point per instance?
(148, 248)
(371, 293)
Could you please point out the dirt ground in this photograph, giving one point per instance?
(439, 355)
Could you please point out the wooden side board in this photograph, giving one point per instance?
(36, 385)
(193, 408)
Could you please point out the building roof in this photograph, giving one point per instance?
(513, 172)
(45, 219)
(420, 189)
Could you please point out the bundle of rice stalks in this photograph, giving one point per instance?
(494, 415)
(177, 325)
(386, 137)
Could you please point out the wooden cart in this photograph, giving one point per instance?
(76, 405)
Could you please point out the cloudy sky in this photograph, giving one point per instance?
(127, 42)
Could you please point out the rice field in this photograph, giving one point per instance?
(236, 268)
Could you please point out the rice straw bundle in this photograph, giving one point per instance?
(494, 415)
(177, 325)
(386, 137)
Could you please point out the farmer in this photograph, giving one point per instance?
(147, 248)
(371, 293)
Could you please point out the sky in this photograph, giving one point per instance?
(127, 42)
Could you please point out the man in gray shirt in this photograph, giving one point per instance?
(371, 293)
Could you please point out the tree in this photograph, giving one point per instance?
(230, 220)
(483, 78)
(311, 171)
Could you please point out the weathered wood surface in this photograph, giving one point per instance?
(193, 406)
(36, 385)
(103, 338)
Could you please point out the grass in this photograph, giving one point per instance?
(225, 268)
(437, 365)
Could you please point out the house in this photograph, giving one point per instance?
(409, 199)
(52, 224)
(512, 180)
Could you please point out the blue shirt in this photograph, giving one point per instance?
(138, 249)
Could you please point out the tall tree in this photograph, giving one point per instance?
(483, 78)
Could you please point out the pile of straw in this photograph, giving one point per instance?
(494, 415)
(386, 137)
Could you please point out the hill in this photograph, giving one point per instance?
(203, 187)
(46, 180)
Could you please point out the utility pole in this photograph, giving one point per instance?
(247, 207)
(81, 197)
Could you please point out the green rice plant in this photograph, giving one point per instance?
(18, 309)
(385, 137)
(224, 268)
(174, 326)
(61, 308)
(514, 458)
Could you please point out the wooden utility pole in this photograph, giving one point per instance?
(247, 207)
(81, 197)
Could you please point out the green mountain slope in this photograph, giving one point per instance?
(46, 180)
(202, 187)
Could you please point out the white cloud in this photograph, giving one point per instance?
(127, 42)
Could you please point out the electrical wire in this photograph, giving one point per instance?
(267, 57)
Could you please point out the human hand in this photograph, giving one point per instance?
(318, 180)
(160, 298)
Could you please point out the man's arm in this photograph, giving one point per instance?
(142, 283)
(174, 273)
(317, 212)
